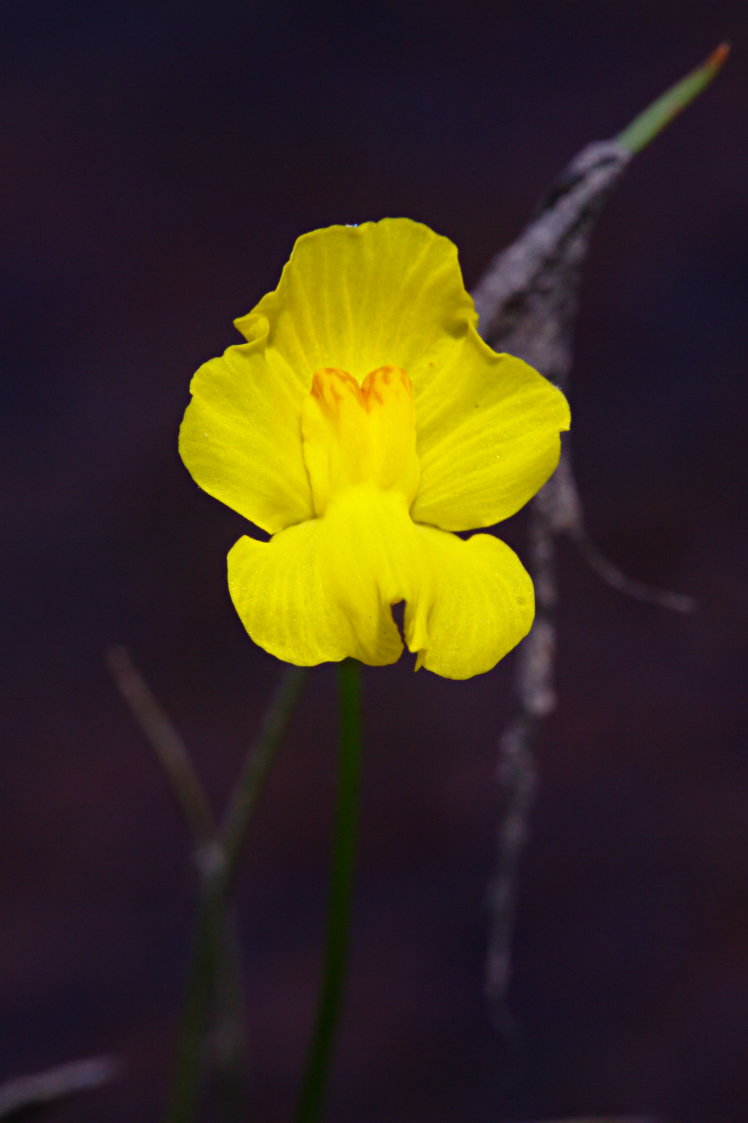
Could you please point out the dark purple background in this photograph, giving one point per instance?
(159, 160)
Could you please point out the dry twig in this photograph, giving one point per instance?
(527, 303)
(19, 1096)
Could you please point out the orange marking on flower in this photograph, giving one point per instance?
(356, 435)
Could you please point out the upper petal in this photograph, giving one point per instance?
(391, 293)
(355, 298)
(488, 430)
(381, 295)
(386, 293)
(241, 436)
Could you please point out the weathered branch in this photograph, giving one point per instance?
(527, 303)
(27, 1093)
(528, 298)
(567, 519)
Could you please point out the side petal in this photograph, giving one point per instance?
(488, 430)
(482, 603)
(356, 298)
(241, 437)
(308, 596)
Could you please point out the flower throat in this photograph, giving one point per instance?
(359, 435)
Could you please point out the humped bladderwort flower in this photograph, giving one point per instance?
(363, 421)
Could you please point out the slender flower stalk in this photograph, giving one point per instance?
(320, 1056)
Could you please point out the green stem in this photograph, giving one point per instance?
(319, 1059)
(660, 113)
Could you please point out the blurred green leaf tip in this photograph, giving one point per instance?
(661, 112)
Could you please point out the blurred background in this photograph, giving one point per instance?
(159, 160)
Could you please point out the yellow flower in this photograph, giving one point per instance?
(364, 420)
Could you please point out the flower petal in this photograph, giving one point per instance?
(481, 603)
(322, 591)
(391, 293)
(386, 293)
(488, 436)
(241, 436)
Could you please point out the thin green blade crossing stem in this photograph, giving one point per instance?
(214, 965)
(185, 1095)
(319, 1059)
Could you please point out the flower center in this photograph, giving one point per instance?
(356, 435)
